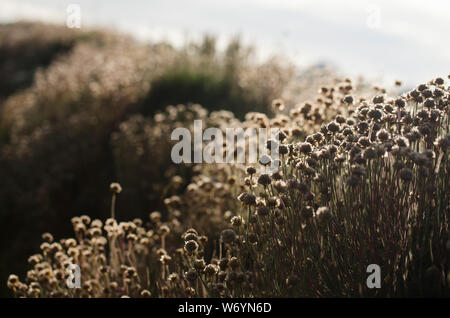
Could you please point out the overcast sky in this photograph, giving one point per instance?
(390, 39)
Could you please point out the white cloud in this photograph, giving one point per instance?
(411, 42)
(11, 11)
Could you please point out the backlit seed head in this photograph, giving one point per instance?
(97, 223)
(429, 103)
(406, 174)
(278, 104)
(191, 247)
(173, 278)
(199, 264)
(443, 142)
(323, 214)
(262, 210)
(85, 219)
(264, 179)
(296, 132)
(252, 238)
(427, 93)
(333, 127)
(223, 264)
(164, 230)
(280, 186)
(273, 202)
(13, 280)
(228, 236)
(211, 270)
(155, 216)
(378, 99)
(401, 141)
(305, 148)
(439, 81)
(370, 153)
(251, 170)
(132, 237)
(292, 281)
(236, 221)
(375, 114)
(382, 135)
(234, 263)
(247, 198)
(47, 237)
(190, 236)
(190, 292)
(348, 99)
(283, 150)
(115, 188)
(307, 212)
(191, 275)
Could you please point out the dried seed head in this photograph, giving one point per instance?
(348, 99)
(234, 263)
(164, 230)
(406, 174)
(190, 292)
(211, 270)
(97, 223)
(190, 236)
(251, 170)
(439, 81)
(173, 278)
(307, 212)
(333, 127)
(443, 142)
(382, 135)
(191, 275)
(199, 264)
(264, 179)
(115, 188)
(283, 150)
(203, 240)
(292, 281)
(236, 221)
(247, 198)
(305, 147)
(228, 236)
(278, 104)
(323, 214)
(378, 99)
(47, 237)
(191, 247)
(375, 114)
(262, 210)
(223, 264)
(429, 103)
(13, 280)
(155, 216)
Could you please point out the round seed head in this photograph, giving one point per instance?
(115, 188)
(228, 236)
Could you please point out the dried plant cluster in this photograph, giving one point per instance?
(361, 181)
(78, 110)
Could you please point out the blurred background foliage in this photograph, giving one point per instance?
(80, 109)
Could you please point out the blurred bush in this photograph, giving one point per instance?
(219, 80)
(77, 111)
(25, 47)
